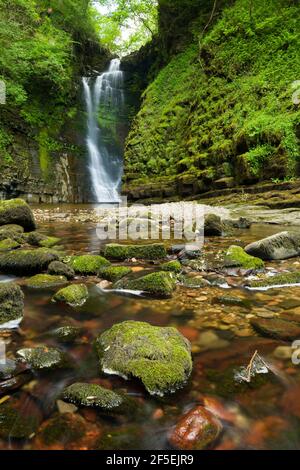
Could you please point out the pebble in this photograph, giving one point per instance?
(283, 352)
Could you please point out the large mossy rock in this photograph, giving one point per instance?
(74, 295)
(114, 273)
(17, 211)
(59, 268)
(8, 245)
(44, 358)
(123, 252)
(23, 262)
(11, 302)
(159, 357)
(88, 264)
(92, 395)
(45, 281)
(236, 257)
(39, 239)
(160, 284)
(282, 245)
(283, 279)
(213, 226)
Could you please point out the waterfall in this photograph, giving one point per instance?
(104, 98)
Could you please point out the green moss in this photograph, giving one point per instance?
(237, 257)
(74, 295)
(22, 262)
(11, 302)
(277, 280)
(61, 269)
(123, 252)
(114, 273)
(192, 282)
(16, 211)
(8, 245)
(173, 266)
(66, 334)
(45, 281)
(44, 358)
(39, 239)
(88, 264)
(159, 357)
(92, 395)
(158, 283)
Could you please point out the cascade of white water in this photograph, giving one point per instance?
(105, 162)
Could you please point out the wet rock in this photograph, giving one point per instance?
(64, 407)
(193, 282)
(283, 279)
(24, 262)
(198, 429)
(209, 340)
(158, 284)
(44, 358)
(74, 295)
(241, 223)
(39, 239)
(17, 211)
(66, 334)
(172, 266)
(8, 244)
(236, 257)
(159, 357)
(104, 285)
(92, 395)
(8, 369)
(60, 431)
(45, 281)
(282, 245)
(283, 352)
(11, 302)
(114, 273)
(59, 268)
(276, 328)
(88, 264)
(213, 225)
(14, 424)
(233, 301)
(123, 252)
(14, 383)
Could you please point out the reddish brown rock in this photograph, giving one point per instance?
(196, 430)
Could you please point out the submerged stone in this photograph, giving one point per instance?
(23, 262)
(45, 281)
(172, 266)
(17, 211)
(61, 429)
(11, 302)
(92, 395)
(14, 424)
(44, 358)
(236, 257)
(123, 252)
(88, 264)
(61, 269)
(158, 284)
(39, 239)
(159, 357)
(66, 334)
(193, 282)
(74, 295)
(8, 244)
(213, 225)
(277, 328)
(198, 429)
(277, 280)
(282, 245)
(114, 273)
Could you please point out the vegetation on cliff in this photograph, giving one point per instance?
(222, 107)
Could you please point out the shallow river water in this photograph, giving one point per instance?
(264, 414)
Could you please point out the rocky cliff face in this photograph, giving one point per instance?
(217, 111)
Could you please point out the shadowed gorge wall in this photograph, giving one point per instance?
(220, 112)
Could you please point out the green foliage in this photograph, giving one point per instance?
(223, 106)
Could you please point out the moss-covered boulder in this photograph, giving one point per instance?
(17, 211)
(12, 232)
(44, 358)
(45, 281)
(24, 262)
(74, 295)
(39, 239)
(11, 302)
(8, 244)
(114, 273)
(59, 268)
(159, 357)
(14, 424)
(123, 252)
(193, 282)
(172, 266)
(213, 225)
(88, 264)
(282, 245)
(283, 279)
(236, 257)
(160, 284)
(92, 395)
